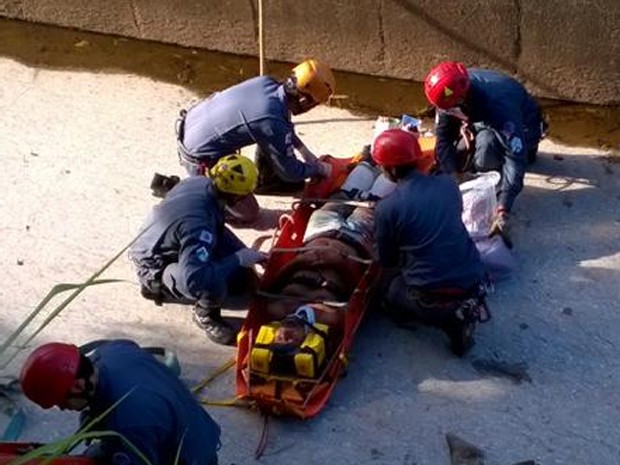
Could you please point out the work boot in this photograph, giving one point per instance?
(461, 335)
(151, 295)
(210, 320)
(161, 185)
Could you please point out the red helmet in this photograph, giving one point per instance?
(395, 147)
(447, 84)
(49, 373)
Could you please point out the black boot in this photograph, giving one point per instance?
(460, 332)
(161, 185)
(210, 320)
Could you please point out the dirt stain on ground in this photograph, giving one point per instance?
(204, 72)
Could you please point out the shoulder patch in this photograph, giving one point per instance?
(516, 145)
(202, 254)
(206, 236)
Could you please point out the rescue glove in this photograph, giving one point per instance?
(250, 257)
(325, 169)
(501, 226)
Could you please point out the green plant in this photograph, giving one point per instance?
(49, 452)
(56, 290)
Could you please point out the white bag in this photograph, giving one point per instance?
(479, 203)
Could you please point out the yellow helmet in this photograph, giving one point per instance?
(315, 79)
(234, 174)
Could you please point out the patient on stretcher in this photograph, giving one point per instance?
(338, 243)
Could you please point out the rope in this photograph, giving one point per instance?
(231, 402)
(262, 443)
(218, 371)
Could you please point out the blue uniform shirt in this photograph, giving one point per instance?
(252, 112)
(502, 103)
(158, 416)
(187, 228)
(419, 229)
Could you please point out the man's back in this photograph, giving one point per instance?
(497, 99)
(192, 200)
(159, 414)
(218, 126)
(419, 228)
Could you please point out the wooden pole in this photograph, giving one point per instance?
(261, 42)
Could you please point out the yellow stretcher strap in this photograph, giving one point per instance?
(218, 372)
(232, 402)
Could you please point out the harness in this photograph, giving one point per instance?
(466, 304)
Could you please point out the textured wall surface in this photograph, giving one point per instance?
(561, 48)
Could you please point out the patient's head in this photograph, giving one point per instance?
(293, 328)
(291, 332)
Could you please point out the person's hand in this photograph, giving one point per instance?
(250, 257)
(501, 226)
(307, 155)
(463, 176)
(325, 169)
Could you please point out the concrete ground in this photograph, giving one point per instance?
(78, 150)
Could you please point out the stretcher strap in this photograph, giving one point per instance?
(270, 295)
(216, 374)
(352, 203)
(322, 247)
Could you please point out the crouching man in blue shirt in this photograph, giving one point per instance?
(185, 254)
(486, 121)
(258, 111)
(157, 414)
(437, 272)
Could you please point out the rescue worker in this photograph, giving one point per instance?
(258, 111)
(485, 121)
(155, 412)
(420, 235)
(185, 253)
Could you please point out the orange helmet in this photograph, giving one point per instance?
(395, 147)
(447, 84)
(49, 373)
(315, 79)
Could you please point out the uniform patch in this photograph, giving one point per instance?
(202, 254)
(206, 236)
(516, 145)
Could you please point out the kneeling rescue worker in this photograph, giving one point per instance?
(420, 235)
(486, 121)
(158, 414)
(258, 111)
(186, 253)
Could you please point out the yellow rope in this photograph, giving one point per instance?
(232, 402)
(219, 371)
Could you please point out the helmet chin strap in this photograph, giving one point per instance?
(290, 86)
(298, 101)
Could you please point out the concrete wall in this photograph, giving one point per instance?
(561, 48)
